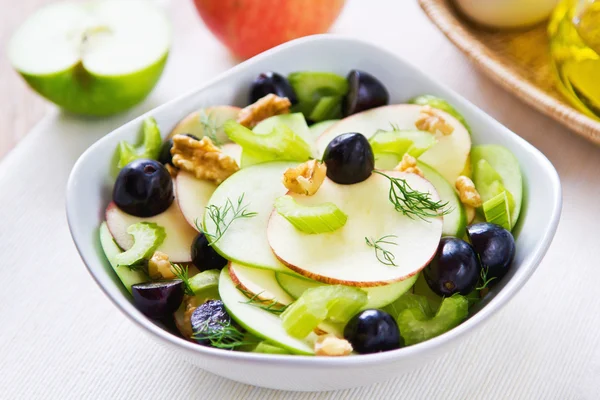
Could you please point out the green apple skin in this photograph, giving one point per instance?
(78, 91)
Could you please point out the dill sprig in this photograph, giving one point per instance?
(271, 306)
(209, 127)
(412, 203)
(182, 273)
(384, 256)
(223, 217)
(484, 279)
(224, 335)
(394, 126)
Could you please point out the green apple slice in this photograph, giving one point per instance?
(343, 256)
(179, 233)
(234, 151)
(207, 122)
(377, 296)
(93, 58)
(192, 196)
(245, 241)
(448, 156)
(317, 129)
(127, 276)
(258, 321)
(507, 166)
(260, 283)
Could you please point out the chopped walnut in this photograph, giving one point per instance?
(263, 108)
(306, 178)
(330, 345)
(190, 303)
(159, 266)
(429, 120)
(172, 170)
(409, 165)
(202, 158)
(467, 192)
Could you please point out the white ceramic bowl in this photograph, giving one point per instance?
(89, 191)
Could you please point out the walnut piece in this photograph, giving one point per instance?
(172, 170)
(202, 158)
(467, 192)
(429, 120)
(330, 345)
(263, 108)
(306, 178)
(159, 266)
(409, 164)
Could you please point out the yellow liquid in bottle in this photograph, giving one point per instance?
(574, 32)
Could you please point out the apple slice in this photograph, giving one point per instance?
(448, 156)
(94, 58)
(192, 196)
(260, 283)
(234, 151)
(212, 118)
(343, 256)
(256, 320)
(245, 241)
(179, 238)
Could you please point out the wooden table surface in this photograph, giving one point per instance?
(20, 107)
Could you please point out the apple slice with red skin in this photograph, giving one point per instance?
(260, 283)
(217, 115)
(343, 256)
(178, 242)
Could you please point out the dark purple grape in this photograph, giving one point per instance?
(364, 92)
(349, 159)
(204, 256)
(143, 188)
(271, 82)
(495, 247)
(373, 331)
(208, 319)
(165, 157)
(158, 299)
(454, 268)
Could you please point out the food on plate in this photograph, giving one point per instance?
(372, 231)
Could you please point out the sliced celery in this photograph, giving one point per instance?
(413, 142)
(326, 217)
(336, 302)
(268, 348)
(204, 281)
(497, 210)
(280, 144)
(416, 327)
(440, 104)
(408, 301)
(328, 107)
(147, 236)
(311, 86)
(149, 148)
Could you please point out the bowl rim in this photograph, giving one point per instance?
(500, 299)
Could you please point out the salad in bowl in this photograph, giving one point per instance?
(318, 220)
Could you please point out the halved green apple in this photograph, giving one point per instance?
(192, 196)
(343, 256)
(245, 241)
(258, 321)
(94, 58)
(179, 238)
(448, 156)
(207, 121)
(260, 283)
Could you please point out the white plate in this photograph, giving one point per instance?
(89, 191)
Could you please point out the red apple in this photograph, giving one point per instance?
(248, 27)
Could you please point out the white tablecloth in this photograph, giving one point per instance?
(60, 338)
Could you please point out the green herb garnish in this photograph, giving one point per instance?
(412, 203)
(384, 256)
(224, 336)
(209, 127)
(224, 216)
(484, 279)
(268, 305)
(182, 274)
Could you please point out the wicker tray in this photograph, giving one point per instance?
(526, 73)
